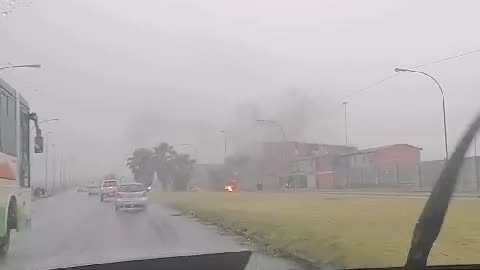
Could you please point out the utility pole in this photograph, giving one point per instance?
(286, 158)
(345, 114)
(475, 170)
(46, 160)
(62, 180)
(443, 104)
(224, 144)
(54, 168)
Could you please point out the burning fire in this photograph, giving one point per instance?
(228, 188)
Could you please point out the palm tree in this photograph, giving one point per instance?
(170, 166)
(182, 168)
(141, 164)
(163, 155)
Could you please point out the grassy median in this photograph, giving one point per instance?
(351, 231)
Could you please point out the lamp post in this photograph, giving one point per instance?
(276, 124)
(46, 159)
(475, 170)
(345, 114)
(46, 121)
(21, 66)
(285, 144)
(443, 103)
(224, 145)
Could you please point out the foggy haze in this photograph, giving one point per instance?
(126, 74)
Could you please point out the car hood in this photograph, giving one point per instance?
(212, 261)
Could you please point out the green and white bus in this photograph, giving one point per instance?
(15, 195)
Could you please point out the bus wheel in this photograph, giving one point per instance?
(11, 219)
(5, 244)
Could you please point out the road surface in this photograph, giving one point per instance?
(74, 229)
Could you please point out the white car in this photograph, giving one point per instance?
(93, 189)
(131, 196)
(108, 189)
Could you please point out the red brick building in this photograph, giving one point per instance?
(275, 159)
(314, 168)
(391, 163)
(398, 155)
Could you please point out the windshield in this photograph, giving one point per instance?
(110, 184)
(131, 188)
(310, 132)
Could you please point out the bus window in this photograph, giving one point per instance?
(12, 127)
(25, 149)
(3, 121)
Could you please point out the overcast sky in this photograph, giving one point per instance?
(122, 74)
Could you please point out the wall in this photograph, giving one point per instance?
(278, 157)
(430, 171)
(403, 156)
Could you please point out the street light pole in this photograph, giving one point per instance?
(224, 144)
(443, 103)
(46, 121)
(54, 176)
(285, 142)
(277, 124)
(475, 170)
(346, 138)
(21, 66)
(46, 159)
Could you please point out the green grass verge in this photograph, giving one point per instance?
(352, 231)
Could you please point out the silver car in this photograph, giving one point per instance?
(93, 189)
(108, 189)
(131, 196)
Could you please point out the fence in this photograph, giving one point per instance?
(421, 177)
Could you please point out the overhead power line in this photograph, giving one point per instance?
(359, 91)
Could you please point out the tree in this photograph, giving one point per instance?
(172, 169)
(141, 164)
(163, 154)
(182, 168)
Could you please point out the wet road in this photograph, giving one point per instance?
(75, 229)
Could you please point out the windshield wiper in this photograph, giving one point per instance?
(431, 219)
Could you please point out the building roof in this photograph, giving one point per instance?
(375, 149)
(308, 143)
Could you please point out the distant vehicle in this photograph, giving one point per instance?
(93, 189)
(108, 188)
(131, 196)
(82, 189)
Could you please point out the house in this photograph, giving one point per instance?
(316, 169)
(393, 165)
(272, 161)
(383, 157)
(342, 166)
